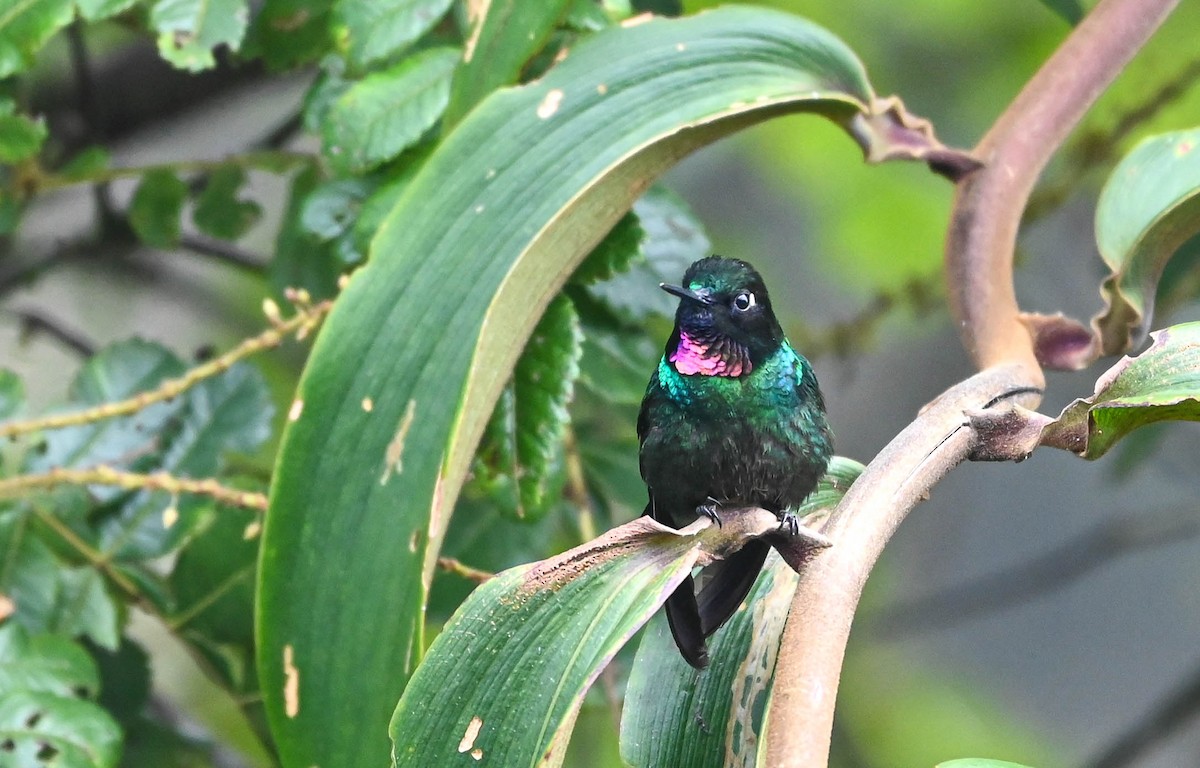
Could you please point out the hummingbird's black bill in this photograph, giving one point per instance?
(685, 293)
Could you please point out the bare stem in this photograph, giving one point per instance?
(156, 481)
(990, 202)
(301, 324)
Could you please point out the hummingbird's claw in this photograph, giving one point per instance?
(789, 521)
(709, 510)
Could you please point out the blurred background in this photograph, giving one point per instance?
(1040, 612)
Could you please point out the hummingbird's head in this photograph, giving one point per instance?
(724, 324)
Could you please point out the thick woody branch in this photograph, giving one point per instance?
(991, 201)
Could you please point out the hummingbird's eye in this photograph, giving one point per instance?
(743, 301)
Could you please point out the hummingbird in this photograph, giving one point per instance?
(732, 417)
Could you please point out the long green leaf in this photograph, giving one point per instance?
(541, 634)
(376, 29)
(405, 372)
(1150, 206)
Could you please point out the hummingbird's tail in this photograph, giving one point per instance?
(727, 582)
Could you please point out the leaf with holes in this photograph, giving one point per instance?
(504, 36)
(522, 447)
(45, 662)
(21, 137)
(408, 367)
(386, 112)
(1160, 384)
(377, 29)
(44, 728)
(220, 211)
(156, 206)
(676, 716)
(1149, 207)
(189, 30)
(542, 633)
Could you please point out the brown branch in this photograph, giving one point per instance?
(990, 202)
(814, 639)
(301, 324)
(156, 481)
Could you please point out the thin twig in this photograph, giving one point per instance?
(451, 565)
(1055, 569)
(301, 324)
(18, 485)
(223, 251)
(97, 560)
(577, 490)
(33, 322)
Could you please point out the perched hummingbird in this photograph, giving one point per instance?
(732, 417)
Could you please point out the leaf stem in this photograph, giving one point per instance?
(155, 481)
(307, 317)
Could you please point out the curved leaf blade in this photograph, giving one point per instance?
(81, 734)
(676, 715)
(427, 332)
(546, 631)
(1149, 207)
(1160, 384)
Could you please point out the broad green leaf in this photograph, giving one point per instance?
(523, 442)
(542, 632)
(188, 30)
(28, 572)
(286, 33)
(115, 373)
(979, 762)
(427, 332)
(673, 239)
(95, 10)
(302, 260)
(377, 29)
(12, 394)
(156, 206)
(25, 26)
(505, 35)
(1160, 384)
(1149, 207)
(220, 211)
(80, 733)
(331, 209)
(45, 662)
(676, 715)
(386, 112)
(21, 137)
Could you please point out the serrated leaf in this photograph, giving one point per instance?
(525, 434)
(504, 37)
(330, 210)
(115, 373)
(83, 606)
(386, 112)
(673, 239)
(25, 26)
(1160, 384)
(286, 33)
(543, 632)
(675, 715)
(619, 249)
(28, 572)
(189, 30)
(1150, 206)
(45, 662)
(96, 10)
(616, 366)
(81, 734)
(427, 331)
(219, 211)
(156, 206)
(12, 394)
(21, 137)
(378, 29)
(302, 260)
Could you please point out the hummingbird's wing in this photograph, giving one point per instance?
(683, 618)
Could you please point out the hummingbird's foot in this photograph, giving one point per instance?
(789, 521)
(709, 510)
